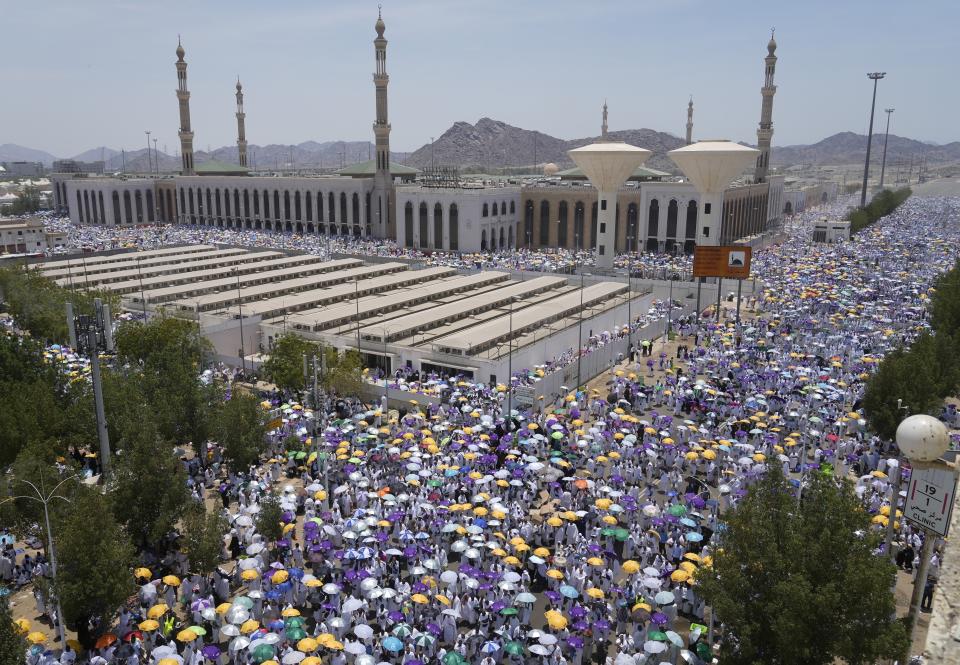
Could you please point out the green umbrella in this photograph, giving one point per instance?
(435, 483)
(556, 436)
(508, 611)
(296, 633)
(453, 658)
(199, 630)
(607, 531)
(300, 455)
(513, 648)
(677, 510)
(703, 650)
(657, 635)
(294, 622)
(262, 652)
(621, 534)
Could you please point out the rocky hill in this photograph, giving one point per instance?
(850, 148)
(493, 144)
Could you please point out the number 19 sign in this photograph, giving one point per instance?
(930, 498)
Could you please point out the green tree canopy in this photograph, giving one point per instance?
(945, 303)
(13, 647)
(202, 538)
(801, 586)
(268, 519)
(284, 367)
(344, 373)
(239, 427)
(94, 559)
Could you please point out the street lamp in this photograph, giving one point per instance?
(874, 76)
(39, 497)
(510, 361)
(886, 137)
(149, 163)
(243, 357)
(923, 439)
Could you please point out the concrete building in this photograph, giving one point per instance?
(74, 166)
(458, 219)
(23, 236)
(831, 231)
(22, 169)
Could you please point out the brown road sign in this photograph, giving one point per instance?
(729, 261)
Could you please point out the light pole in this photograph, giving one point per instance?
(510, 362)
(874, 76)
(38, 496)
(142, 296)
(886, 137)
(156, 158)
(580, 331)
(149, 163)
(243, 357)
(923, 439)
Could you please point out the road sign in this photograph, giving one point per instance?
(930, 497)
(729, 261)
(523, 395)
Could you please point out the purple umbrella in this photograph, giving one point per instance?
(433, 629)
(498, 605)
(659, 618)
(211, 652)
(581, 625)
(396, 616)
(575, 642)
(578, 612)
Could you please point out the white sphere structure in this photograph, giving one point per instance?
(607, 165)
(711, 166)
(922, 438)
(550, 169)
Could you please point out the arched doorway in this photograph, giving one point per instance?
(408, 224)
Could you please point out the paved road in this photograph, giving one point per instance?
(942, 187)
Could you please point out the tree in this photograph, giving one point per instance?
(268, 519)
(203, 532)
(149, 490)
(945, 303)
(239, 427)
(94, 557)
(802, 585)
(284, 367)
(13, 647)
(344, 372)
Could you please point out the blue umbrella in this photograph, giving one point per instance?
(686, 521)
(392, 644)
(569, 591)
(693, 537)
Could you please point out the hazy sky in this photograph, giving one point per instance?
(82, 74)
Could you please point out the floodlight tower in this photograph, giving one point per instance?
(607, 165)
(711, 166)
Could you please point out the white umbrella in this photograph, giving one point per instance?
(249, 564)
(448, 576)
(547, 639)
(237, 614)
(254, 549)
(330, 589)
(238, 643)
(352, 605)
(652, 646)
(540, 650)
(230, 630)
(293, 658)
(354, 647)
(363, 631)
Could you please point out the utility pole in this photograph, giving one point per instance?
(886, 137)
(149, 164)
(874, 76)
(95, 334)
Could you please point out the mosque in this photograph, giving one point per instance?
(384, 199)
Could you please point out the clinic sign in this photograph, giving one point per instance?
(930, 497)
(728, 261)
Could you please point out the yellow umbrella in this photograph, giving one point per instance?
(511, 561)
(171, 580)
(290, 612)
(690, 556)
(595, 593)
(311, 660)
(249, 626)
(679, 575)
(36, 637)
(307, 644)
(555, 620)
(157, 611)
(142, 573)
(603, 503)
(168, 661)
(596, 562)
(22, 626)
(442, 599)
(554, 574)
(223, 607)
(334, 645)
(313, 583)
(249, 575)
(630, 567)
(688, 566)
(554, 521)
(609, 519)
(280, 577)
(541, 551)
(149, 624)
(419, 599)
(522, 547)
(186, 635)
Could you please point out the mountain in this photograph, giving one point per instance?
(96, 154)
(493, 143)
(11, 152)
(851, 148)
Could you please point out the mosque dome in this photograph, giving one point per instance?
(380, 26)
(771, 45)
(550, 169)
(180, 51)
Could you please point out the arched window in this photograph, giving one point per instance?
(593, 226)
(408, 224)
(85, 211)
(579, 213)
(276, 204)
(103, 217)
(494, 209)
(788, 208)
(356, 209)
(485, 212)
(483, 239)
(528, 223)
(209, 205)
(438, 226)
(246, 204)
(632, 227)
(332, 207)
(216, 199)
(691, 230)
(296, 206)
(454, 228)
(115, 203)
(562, 225)
(286, 205)
(510, 237)
(503, 238)
(343, 210)
(150, 206)
(127, 208)
(544, 223)
(503, 207)
(369, 211)
(653, 219)
(226, 202)
(513, 207)
(424, 229)
(190, 198)
(319, 206)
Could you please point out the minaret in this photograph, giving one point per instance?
(603, 126)
(690, 121)
(383, 183)
(765, 131)
(241, 129)
(183, 96)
